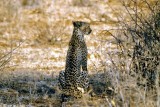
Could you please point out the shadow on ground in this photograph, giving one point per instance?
(45, 91)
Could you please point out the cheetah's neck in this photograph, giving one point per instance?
(78, 35)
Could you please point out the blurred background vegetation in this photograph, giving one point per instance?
(124, 45)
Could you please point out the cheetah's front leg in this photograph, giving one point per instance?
(84, 60)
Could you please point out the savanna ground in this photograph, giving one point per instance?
(123, 49)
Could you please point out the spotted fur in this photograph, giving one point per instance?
(73, 79)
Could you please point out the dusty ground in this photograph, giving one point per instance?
(36, 36)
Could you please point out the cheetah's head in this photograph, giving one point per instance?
(83, 26)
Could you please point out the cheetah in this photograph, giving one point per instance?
(74, 80)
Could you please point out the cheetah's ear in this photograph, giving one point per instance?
(77, 24)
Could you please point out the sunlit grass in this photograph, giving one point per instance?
(34, 38)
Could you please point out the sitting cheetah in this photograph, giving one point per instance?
(74, 81)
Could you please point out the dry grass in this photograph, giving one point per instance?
(33, 44)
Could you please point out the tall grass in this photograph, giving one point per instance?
(139, 42)
(128, 72)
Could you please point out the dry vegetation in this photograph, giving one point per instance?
(124, 51)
